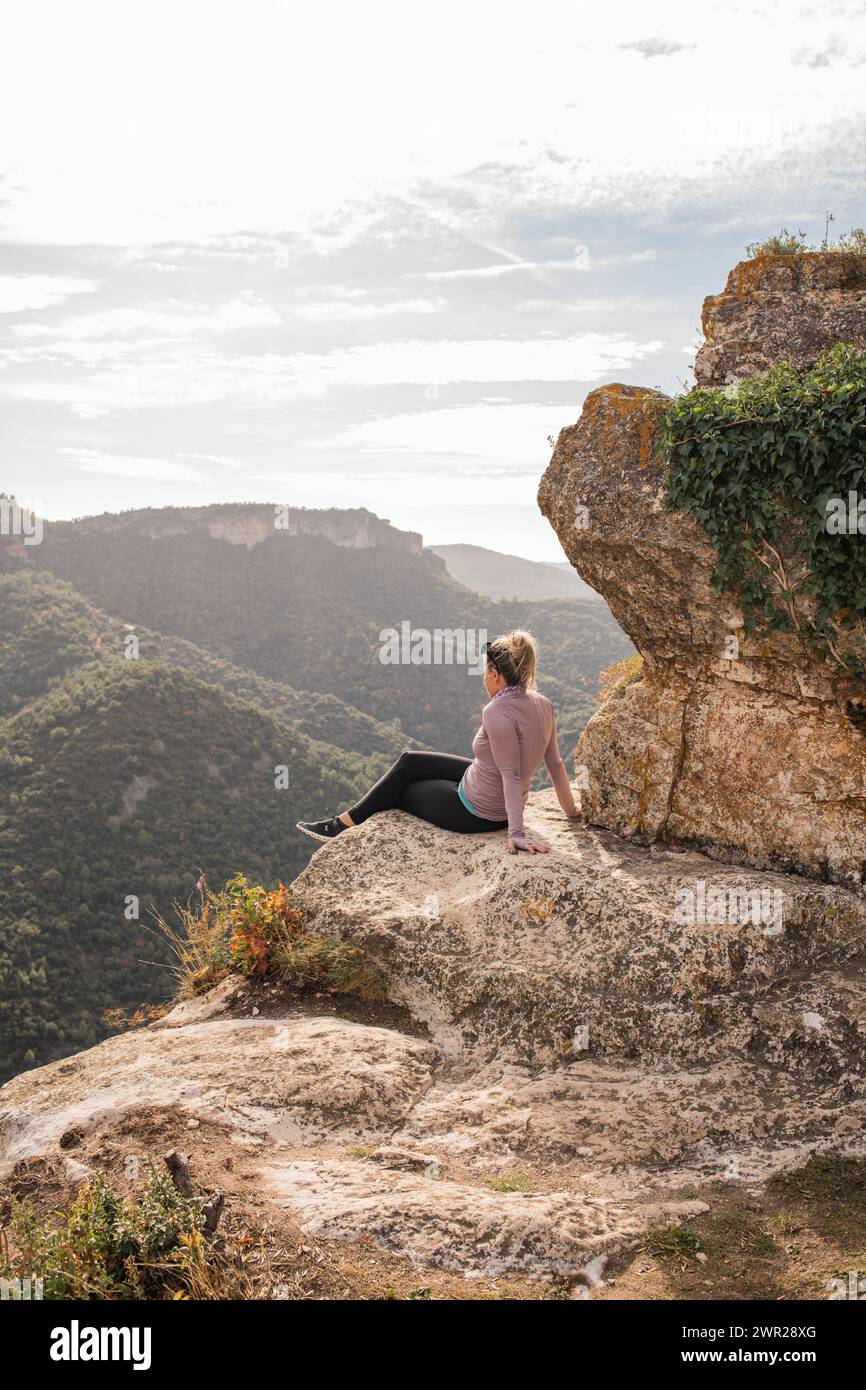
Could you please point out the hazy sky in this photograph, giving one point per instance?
(343, 254)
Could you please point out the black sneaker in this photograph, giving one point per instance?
(322, 829)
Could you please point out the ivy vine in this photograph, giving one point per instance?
(774, 469)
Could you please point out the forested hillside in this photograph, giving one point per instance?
(127, 779)
(128, 766)
(308, 613)
(47, 629)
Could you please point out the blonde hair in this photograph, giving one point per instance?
(514, 656)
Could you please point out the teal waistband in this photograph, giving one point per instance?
(468, 804)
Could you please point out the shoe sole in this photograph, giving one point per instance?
(311, 834)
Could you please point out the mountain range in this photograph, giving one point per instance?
(512, 576)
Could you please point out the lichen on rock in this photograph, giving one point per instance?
(778, 308)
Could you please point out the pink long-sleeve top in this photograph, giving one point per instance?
(518, 729)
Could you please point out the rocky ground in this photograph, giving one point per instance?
(528, 1162)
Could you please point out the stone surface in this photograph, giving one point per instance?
(456, 1226)
(628, 1128)
(293, 1094)
(515, 954)
(782, 309)
(606, 1148)
(759, 759)
(292, 1079)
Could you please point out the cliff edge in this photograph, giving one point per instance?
(750, 750)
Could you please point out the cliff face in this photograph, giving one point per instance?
(760, 758)
(250, 524)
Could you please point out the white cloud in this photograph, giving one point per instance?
(578, 266)
(492, 272)
(135, 382)
(656, 47)
(214, 458)
(290, 276)
(170, 318)
(477, 440)
(89, 412)
(339, 311)
(440, 479)
(584, 357)
(117, 466)
(21, 292)
(531, 114)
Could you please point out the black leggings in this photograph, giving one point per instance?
(425, 785)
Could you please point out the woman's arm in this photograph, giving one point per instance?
(505, 747)
(558, 775)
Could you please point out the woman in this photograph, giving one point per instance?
(489, 791)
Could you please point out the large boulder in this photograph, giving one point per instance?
(629, 1026)
(601, 948)
(748, 750)
(782, 309)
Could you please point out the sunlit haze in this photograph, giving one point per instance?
(331, 255)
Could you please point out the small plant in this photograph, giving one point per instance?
(559, 1290)
(200, 944)
(784, 243)
(107, 1247)
(235, 930)
(254, 931)
(315, 962)
(119, 1020)
(256, 921)
(853, 242)
(620, 675)
(510, 1182)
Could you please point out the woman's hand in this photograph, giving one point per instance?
(530, 846)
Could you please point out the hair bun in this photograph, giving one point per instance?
(515, 655)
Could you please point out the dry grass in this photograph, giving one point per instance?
(617, 677)
(807, 1228)
(259, 933)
